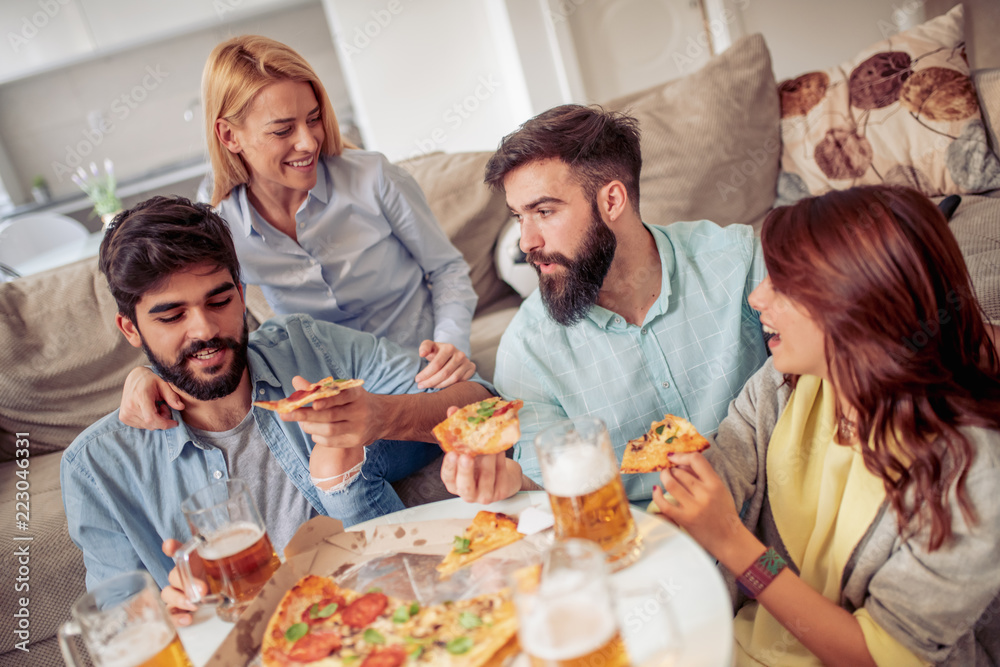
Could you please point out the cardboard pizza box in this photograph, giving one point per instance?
(391, 557)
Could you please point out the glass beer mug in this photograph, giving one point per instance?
(229, 536)
(566, 616)
(580, 475)
(123, 623)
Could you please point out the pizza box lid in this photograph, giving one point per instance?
(381, 555)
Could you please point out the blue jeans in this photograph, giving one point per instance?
(370, 494)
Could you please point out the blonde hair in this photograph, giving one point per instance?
(236, 71)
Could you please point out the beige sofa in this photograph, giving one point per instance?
(62, 362)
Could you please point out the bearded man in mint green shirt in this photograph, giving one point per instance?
(631, 320)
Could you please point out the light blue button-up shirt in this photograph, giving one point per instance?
(369, 255)
(122, 487)
(696, 348)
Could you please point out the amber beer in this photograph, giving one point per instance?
(239, 559)
(146, 645)
(580, 475)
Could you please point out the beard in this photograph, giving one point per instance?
(220, 383)
(569, 297)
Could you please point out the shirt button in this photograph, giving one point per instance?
(302, 225)
(217, 474)
(666, 385)
(643, 331)
(618, 320)
(260, 391)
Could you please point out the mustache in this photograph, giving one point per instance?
(215, 343)
(537, 258)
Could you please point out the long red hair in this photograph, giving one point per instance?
(906, 344)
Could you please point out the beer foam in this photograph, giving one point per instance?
(136, 645)
(231, 540)
(577, 471)
(568, 627)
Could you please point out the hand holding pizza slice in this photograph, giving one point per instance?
(671, 435)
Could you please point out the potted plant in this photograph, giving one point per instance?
(100, 189)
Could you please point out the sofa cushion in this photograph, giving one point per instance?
(902, 111)
(710, 140)
(63, 361)
(470, 213)
(976, 226)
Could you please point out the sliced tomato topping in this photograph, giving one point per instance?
(363, 611)
(301, 393)
(314, 646)
(390, 656)
(501, 410)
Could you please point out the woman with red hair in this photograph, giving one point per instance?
(851, 494)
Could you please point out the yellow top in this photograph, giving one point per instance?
(823, 500)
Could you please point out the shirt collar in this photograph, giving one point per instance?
(320, 191)
(181, 436)
(605, 318)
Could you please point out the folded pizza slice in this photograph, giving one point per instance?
(325, 388)
(488, 532)
(484, 427)
(671, 435)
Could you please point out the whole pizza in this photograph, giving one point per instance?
(321, 623)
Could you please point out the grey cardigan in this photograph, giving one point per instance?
(942, 605)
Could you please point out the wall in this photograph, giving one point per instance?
(805, 35)
(140, 97)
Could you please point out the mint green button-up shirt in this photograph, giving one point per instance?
(696, 348)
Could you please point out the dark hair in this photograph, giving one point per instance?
(906, 344)
(600, 146)
(148, 243)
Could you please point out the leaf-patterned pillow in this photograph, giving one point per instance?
(903, 111)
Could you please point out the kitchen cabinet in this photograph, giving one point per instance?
(45, 34)
(41, 35)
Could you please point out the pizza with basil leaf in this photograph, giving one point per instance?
(325, 388)
(671, 435)
(321, 623)
(484, 427)
(487, 532)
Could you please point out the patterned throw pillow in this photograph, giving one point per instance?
(903, 111)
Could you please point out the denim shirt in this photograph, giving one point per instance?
(122, 487)
(698, 345)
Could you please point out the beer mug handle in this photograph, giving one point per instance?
(182, 559)
(67, 646)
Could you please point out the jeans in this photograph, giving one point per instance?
(370, 494)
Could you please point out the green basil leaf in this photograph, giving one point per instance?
(671, 439)
(374, 589)
(401, 615)
(414, 608)
(373, 636)
(468, 620)
(314, 611)
(327, 611)
(659, 429)
(461, 545)
(350, 660)
(296, 632)
(416, 653)
(459, 645)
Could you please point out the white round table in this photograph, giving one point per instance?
(674, 587)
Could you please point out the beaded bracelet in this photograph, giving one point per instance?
(761, 573)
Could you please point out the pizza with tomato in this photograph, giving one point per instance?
(488, 532)
(484, 427)
(671, 435)
(321, 623)
(323, 389)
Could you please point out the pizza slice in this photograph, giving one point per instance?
(671, 435)
(488, 532)
(323, 389)
(484, 427)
